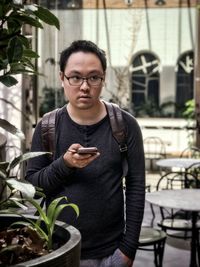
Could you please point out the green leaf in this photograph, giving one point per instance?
(25, 188)
(40, 210)
(24, 41)
(55, 209)
(3, 165)
(25, 157)
(3, 174)
(29, 20)
(8, 80)
(18, 203)
(58, 210)
(15, 50)
(45, 15)
(11, 129)
(30, 53)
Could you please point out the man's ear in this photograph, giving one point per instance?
(62, 78)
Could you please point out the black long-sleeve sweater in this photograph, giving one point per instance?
(97, 188)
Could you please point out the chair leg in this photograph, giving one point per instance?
(158, 253)
(198, 247)
(153, 214)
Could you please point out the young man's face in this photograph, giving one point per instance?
(83, 94)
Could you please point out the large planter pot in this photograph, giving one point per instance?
(67, 255)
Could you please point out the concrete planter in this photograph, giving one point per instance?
(67, 255)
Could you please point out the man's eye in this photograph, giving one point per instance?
(76, 78)
(94, 78)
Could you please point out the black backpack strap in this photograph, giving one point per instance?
(48, 130)
(48, 137)
(118, 131)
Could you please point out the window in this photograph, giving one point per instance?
(145, 80)
(184, 81)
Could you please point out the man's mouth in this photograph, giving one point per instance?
(84, 96)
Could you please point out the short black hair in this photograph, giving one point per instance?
(83, 46)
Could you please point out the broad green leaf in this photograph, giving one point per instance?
(39, 209)
(14, 26)
(3, 165)
(58, 210)
(45, 15)
(55, 209)
(3, 174)
(52, 207)
(30, 53)
(8, 80)
(25, 188)
(17, 202)
(25, 157)
(24, 41)
(11, 129)
(14, 107)
(29, 20)
(15, 50)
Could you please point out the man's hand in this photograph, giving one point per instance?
(128, 261)
(74, 160)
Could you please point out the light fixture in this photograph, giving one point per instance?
(160, 2)
(73, 4)
(128, 2)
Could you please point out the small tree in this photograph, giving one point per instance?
(16, 53)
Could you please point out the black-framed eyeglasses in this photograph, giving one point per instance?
(93, 80)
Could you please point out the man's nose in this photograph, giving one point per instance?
(84, 85)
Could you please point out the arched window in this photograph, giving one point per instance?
(184, 81)
(145, 84)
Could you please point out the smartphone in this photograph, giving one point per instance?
(87, 150)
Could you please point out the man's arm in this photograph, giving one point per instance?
(135, 190)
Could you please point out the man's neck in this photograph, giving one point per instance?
(87, 116)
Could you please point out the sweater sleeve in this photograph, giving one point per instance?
(42, 171)
(135, 190)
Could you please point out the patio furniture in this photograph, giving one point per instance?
(176, 220)
(152, 239)
(186, 200)
(191, 152)
(154, 149)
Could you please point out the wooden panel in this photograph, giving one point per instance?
(120, 4)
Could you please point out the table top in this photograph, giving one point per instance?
(184, 199)
(177, 162)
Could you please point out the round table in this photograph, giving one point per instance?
(177, 162)
(184, 199)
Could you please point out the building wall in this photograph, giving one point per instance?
(167, 32)
(121, 33)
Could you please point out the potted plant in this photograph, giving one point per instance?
(33, 237)
(59, 244)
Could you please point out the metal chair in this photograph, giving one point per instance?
(190, 152)
(154, 149)
(152, 239)
(176, 220)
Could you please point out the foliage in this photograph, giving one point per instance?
(48, 218)
(52, 98)
(16, 53)
(189, 112)
(25, 191)
(11, 183)
(189, 115)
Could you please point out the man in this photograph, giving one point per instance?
(93, 181)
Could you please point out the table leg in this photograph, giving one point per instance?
(193, 258)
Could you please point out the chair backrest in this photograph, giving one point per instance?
(177, 180)
(190, 152)
(154, 147)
